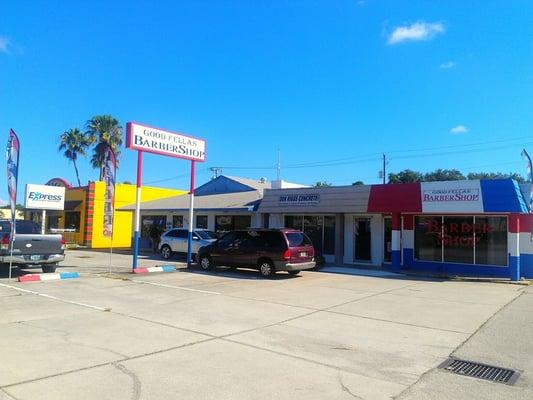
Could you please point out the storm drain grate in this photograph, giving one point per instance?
(481, 371)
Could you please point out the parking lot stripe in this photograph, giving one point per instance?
(175, 287)
(55, 298)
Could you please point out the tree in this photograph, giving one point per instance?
(405, 176)
(74, 143)
(496, 175)
(358, 183)
(444, 175)
(322, 184)
(104, 130)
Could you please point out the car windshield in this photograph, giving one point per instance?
(206, 235)
(23, 227)
(298, 239)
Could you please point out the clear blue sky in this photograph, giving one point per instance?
(320, 80)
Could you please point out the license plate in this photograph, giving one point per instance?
(35, 258)
(303, 254)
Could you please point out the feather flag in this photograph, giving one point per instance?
(108, 174)
(527, 158)
(12, 156)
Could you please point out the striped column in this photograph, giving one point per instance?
(89, 214)
(408, 240)
(513, 238)
(396, 242)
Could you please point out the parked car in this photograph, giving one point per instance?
(268, 250)
(30, 247)
(176, 241)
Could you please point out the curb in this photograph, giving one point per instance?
(163, 268)
(48, 277)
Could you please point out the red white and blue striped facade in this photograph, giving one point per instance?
(403, 203)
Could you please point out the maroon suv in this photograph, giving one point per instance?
(268, 250)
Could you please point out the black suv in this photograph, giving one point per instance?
(268, 250)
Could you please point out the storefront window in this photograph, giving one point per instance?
(201, 221)
(458, 239)
(149, 223)
(72, 220)
(491, 240)
(177, 221)
(225, 223)
(461, 239)
(313, 226)
(428, 231)
(294, 222)
(329, 235)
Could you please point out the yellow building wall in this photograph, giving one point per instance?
(123, 220)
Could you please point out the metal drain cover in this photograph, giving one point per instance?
(480, 371)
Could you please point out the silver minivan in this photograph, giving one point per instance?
(175, 241)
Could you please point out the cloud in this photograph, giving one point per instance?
(3, 202)
(459, 130)
(415, 32)
(5, 45)
(447, 65)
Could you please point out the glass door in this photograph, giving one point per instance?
(362, 240)
(387, 239)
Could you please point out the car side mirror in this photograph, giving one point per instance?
(195, 238)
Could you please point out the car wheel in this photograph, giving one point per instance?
(49, 268)
(293, 272)
(166, 252)
(206, 263)
(266, 268)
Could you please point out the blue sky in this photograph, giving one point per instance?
(320, 80)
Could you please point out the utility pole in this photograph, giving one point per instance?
(278, 165)
(384, 171)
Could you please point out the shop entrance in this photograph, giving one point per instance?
(362, 240)
(387, 239)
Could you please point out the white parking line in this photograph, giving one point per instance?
(55, 298)
(174, 287)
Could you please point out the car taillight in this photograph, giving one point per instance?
(287, 255)
(63, 243)
(5, 242)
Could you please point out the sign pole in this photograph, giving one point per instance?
(191, 217)
(137, 210)
(43, 222)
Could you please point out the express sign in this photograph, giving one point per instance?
(154, 140)
(43, 197)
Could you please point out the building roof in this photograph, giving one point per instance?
(240, 201)
(230, 184)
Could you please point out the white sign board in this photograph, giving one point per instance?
(166, 143)
(299, 199)
(42, 197)
(457, 196)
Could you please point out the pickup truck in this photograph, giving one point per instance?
(30, 247)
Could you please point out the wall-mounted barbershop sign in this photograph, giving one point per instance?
(167, 143)
(299, 199)
(451, 196)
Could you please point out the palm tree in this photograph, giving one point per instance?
(105, 130)
(74, 143)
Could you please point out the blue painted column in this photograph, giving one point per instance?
(396, 256)
(514, 247)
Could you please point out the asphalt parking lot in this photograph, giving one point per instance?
(233, 335)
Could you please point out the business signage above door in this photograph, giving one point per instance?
(43, 197)
(166, 143)
(299, 199)
(457, 196)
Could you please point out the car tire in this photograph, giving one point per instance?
(266, 268)
(206, 263)
(166, 252)
(49, 268)
(293, 272)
